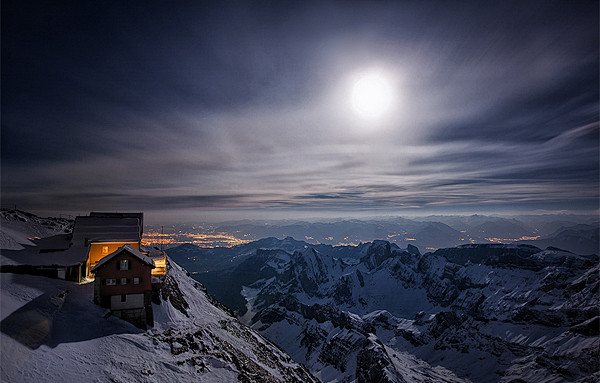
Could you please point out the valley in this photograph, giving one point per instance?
(480, 312)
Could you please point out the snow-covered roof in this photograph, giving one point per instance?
(139, 216)
(56, 242)
(124, 248)
(106, 229)
(32, 256)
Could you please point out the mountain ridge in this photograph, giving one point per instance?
(448, 308)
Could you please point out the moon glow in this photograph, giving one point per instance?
(371, 96)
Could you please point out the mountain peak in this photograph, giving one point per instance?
(413, 249)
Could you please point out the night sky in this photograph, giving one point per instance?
(231, 110)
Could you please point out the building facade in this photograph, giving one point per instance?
(104, 233)
(123, 284)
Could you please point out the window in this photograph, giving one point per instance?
(123, 298)
(124, 265)
(136, 281)
(104, 250)
(124, 281)
(110, 282)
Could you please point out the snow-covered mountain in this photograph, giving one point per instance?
(499, 228)
(581, 239)
(481, 313)
(352, 231)
(17, 227)
(427, 233)
(375, 312)
(52, 331)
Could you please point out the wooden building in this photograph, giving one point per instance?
(104, 233)
(73, 256)
(123, 284)
(52, 257)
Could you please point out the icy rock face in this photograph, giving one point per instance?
(337, 351)
(171, 293)
(480, 312)
(204, 350)
(222, 338)
(310, 269)
(373, 364)
(377, 254)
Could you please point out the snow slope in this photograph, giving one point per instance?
(52, 331)
(17, 227)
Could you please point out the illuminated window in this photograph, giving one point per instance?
(124, 281)
(104, 249)
(136, 281)
(110, 282)
(124, 265)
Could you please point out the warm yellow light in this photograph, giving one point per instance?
(160, 265)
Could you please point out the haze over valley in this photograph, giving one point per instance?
(427, 233)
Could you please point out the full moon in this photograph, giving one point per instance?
(371, 95)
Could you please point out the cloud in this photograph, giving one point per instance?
(589, 132)
(225, 107)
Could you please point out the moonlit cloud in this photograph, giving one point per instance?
(240, 107)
